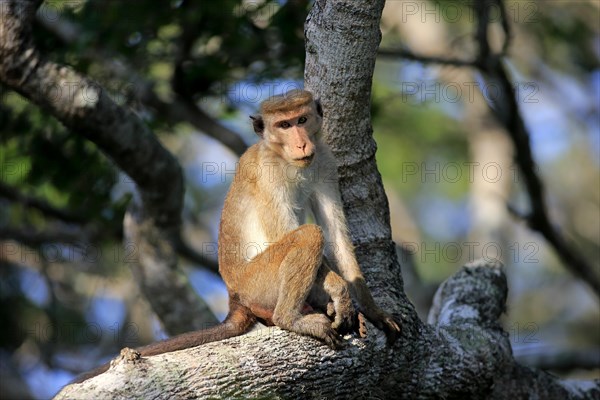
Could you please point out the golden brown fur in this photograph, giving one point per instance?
(284, 103)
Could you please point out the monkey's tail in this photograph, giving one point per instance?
(238, 321)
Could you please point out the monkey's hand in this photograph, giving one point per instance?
(341, 309)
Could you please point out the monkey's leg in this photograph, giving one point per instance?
(297, 274)
(282, 276)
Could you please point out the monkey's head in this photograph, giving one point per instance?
(288, 124)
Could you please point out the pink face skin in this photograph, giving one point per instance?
(291, 135)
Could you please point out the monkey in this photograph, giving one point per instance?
(268, 256)
(278, 269)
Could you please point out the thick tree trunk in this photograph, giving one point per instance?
(342, 38)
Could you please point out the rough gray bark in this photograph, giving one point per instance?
(83, 106)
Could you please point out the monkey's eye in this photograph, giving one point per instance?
(284, 125)
(302, 120)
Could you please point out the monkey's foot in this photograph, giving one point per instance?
(322, 328)
(362, 325)
(391, 328)
(387, 324)
(318, 326)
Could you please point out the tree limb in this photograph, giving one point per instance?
(465, 354)
(83, 106)
(409, 55)
(506, 110)
(185, 250)
(176, 111)
(34, 238)
(88, 233)
(15, 195)
(508, 114)
(561, 360)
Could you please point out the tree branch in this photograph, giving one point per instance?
(409, 55)
(506, 110)
(89, 233)
(15, 195)
(561, 360)
(185, 250)
(34, 238)
(83, 106)
(464, 355)
(86, 236)
(177, 111)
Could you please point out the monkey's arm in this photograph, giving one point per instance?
(327, 208)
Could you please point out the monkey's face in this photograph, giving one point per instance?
(292, 135)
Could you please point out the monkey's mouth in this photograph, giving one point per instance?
(306, 160)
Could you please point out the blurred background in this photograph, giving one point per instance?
(193, 71)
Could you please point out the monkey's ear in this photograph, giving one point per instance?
(319, 107)
(258, 124)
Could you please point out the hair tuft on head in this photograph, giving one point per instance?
(286, 102)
